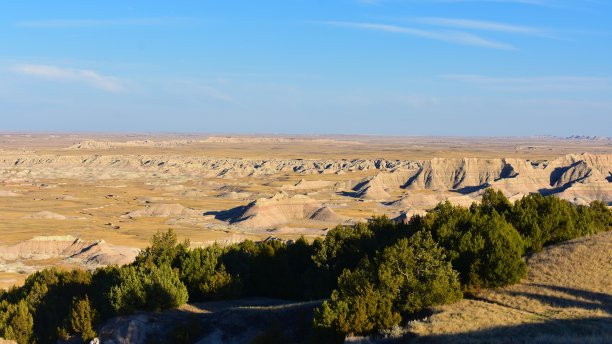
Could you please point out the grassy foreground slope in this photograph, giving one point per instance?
(566, 297)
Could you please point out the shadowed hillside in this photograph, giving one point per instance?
(567, 297)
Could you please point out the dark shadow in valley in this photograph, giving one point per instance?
(351, 194)
(469, 189)
(229, 215)
(556, 174)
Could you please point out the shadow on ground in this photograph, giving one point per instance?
(260, 320)
(588, 330)
(254, 320)
(580, 298)
(596, 329)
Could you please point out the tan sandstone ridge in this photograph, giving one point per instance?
(66, 250)
(565, 176)
(162, 210)
(101, 145)
(280, 210)
(515, 175)
(182, 184)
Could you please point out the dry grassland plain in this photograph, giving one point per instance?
(112, 192)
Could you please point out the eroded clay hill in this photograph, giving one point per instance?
(245, 192)
(583, 176)
(44, 251)
(280, 210)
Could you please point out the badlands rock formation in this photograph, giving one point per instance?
(162, 210)
(97, 145)
(280, 210)
(65, 249)
(434, 174)
(101, 145)
(308, 185)
(586, 177)
(397, 185)
(429, 200)
(124, 189)
(17, 168)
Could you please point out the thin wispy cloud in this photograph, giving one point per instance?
(457, 37)
(482, 25)
(272, 75)
(85, 23)
(83, 76)
(528, 2)
(568, 4)
(530, 84)
(544, 3)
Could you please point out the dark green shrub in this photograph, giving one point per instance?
(500, 261)
(358, 306)
(344, 247)
(407, 277)
(415, 272)
(147, 288)
(16, 322)
(493, 201)
(102, 281)
(545, 220)
(163, 289)
(163, 250)
(53, 310)
(129, 294)
(410, 270)
(203, 273)
(484, 248)
(82, 319)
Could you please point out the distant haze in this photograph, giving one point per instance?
(386, 67)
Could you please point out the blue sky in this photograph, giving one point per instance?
(394, 67)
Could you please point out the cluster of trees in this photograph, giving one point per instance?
(374, 275)
(391, 272)
(404, 278)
